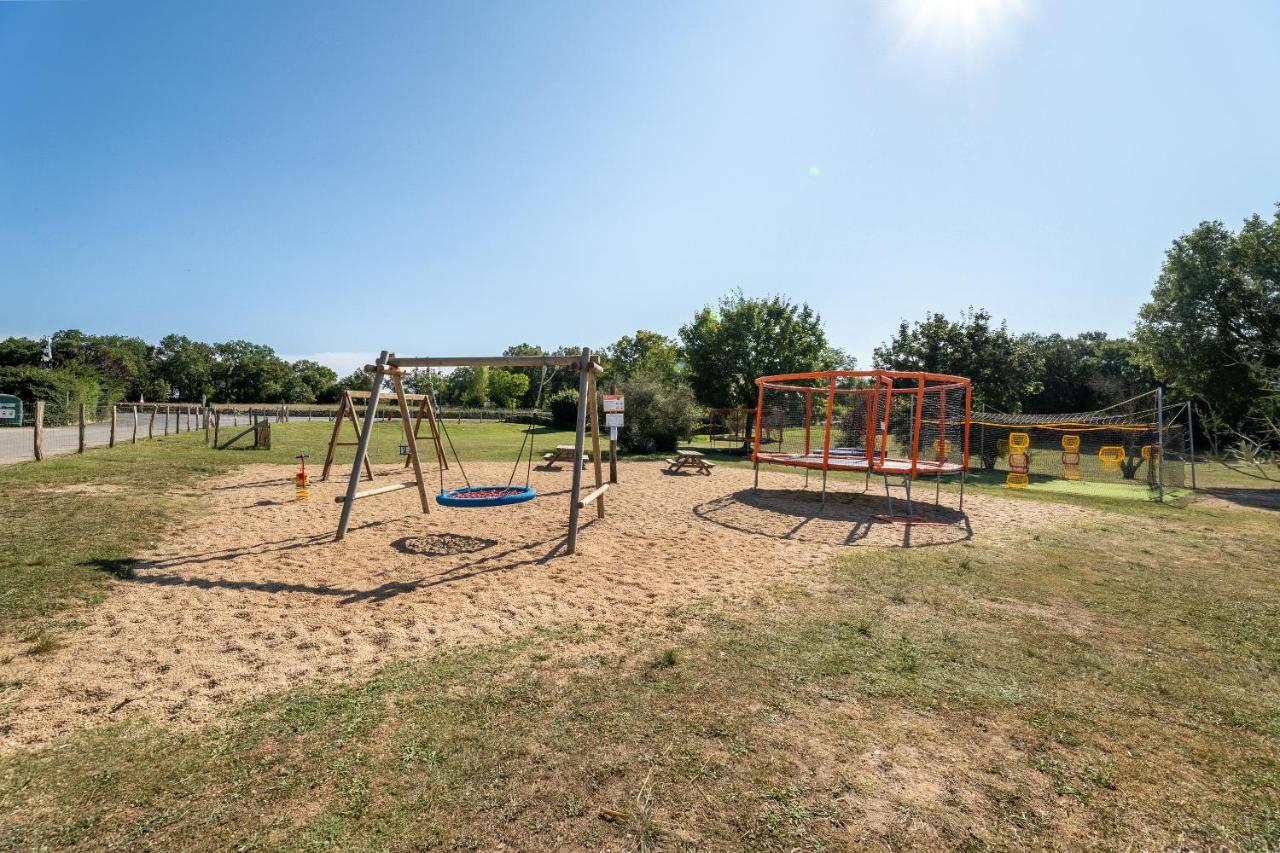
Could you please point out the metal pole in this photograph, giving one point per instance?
(1160, 437)
(362, 447)
(579, 444)
(1191, 437)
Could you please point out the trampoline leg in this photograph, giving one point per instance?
(906, 481)
(887, 496)
(756, 487)
(937, 489)
(806, 478)
(962, 475)
(824, 486)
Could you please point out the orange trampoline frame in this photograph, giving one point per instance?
(875, 458)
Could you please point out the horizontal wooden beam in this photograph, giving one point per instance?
(382, 490)
(490, 361)
(364, 395)
(600, 490)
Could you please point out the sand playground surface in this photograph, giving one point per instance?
(256, 597)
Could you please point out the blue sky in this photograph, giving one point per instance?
(339, 178)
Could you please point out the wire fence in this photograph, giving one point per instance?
(94, 426)
(53, 431)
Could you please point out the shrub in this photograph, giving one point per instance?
(62, 389)
(657, 417)
(564, 409)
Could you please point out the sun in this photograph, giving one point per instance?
(969, 27)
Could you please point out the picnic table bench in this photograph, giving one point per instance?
(564, 453)
(691, 460)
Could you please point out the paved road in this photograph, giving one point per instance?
(17, 443)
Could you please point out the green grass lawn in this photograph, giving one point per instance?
(1112, 683)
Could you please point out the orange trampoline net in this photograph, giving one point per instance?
(879, 421)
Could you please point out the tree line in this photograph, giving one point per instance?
(1210, 332)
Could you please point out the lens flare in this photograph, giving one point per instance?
(946, 27)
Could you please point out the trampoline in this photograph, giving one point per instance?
(877, 422)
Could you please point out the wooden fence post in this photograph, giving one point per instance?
(38, 448)
(135, 425)
(217, 422)
(81, 446)
(151, 424)
(204, 415)
(166, 420)
(112, 442)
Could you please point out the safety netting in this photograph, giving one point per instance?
(880, 421)
(1140, 442)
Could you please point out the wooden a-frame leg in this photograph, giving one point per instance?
(595, 442)
(412, 441)
(355, 425)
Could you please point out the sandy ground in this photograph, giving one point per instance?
(257, 597)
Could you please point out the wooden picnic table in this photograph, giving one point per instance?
(564, 453)
(691, 460)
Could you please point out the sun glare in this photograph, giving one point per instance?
(968, 27)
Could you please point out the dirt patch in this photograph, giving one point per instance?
(85, 489)
(257, 597)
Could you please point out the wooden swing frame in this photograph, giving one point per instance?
(346, 414)
(390, 366)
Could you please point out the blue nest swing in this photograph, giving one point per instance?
(475, 497)
(478, 496)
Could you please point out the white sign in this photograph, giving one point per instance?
(614, 403)
(613, 420)
(613, 433)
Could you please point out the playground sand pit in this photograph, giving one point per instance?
(256, 597)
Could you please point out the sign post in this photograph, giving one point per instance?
(614, 407)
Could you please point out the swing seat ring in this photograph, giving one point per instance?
(482, 496)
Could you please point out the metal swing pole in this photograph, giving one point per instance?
(1160, 446)
(1191, 439)
(362, 447)
(826, 438)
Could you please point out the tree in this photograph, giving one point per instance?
(506, 387)
(727, 347)
(658, 416)
(22, 352)
(648, 354)
(1212, 327)
(1086, 372)
(423, 380)
(313, 382)
(1004, 370)
(185, 366)
(122, 364)
(245, 372)
(466, 386)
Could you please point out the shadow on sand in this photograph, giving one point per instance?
(789, 514)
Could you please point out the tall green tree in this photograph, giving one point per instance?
(727, 347)
(186, 366)
(22, 352)
(1085, 372)
(507, 387)
(1005, 370)
(122, 364)
(647, 354)
(1212, 327)
(313, 383)
(245, 372)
